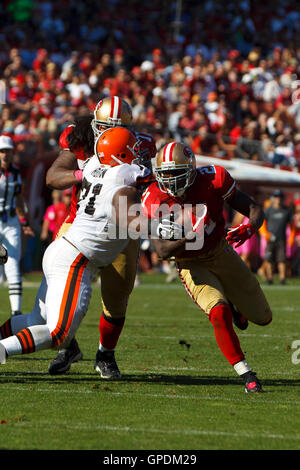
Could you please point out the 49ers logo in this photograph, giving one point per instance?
(188, 152)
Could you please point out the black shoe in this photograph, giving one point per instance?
(269, 282)
(106, 365)
(283, 282)
(238, 319)
(252, 384)
(15, 313)
(65, 357)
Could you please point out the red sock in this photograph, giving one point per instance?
(227, 340)
(5, 330)
(110, 330)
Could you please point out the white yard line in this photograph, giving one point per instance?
(189, 432)
(260, 398)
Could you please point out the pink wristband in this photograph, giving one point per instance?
(23, 221)
(78, 175)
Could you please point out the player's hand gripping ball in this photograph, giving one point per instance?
(3, 255)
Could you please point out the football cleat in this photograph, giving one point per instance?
(239, 320)
(65, 358)
(106, 365)
(252, 384)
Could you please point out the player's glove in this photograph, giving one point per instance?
(239, 234)
(170, 230)
(146, 148)
(3, 255)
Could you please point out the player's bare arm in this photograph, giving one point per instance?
(168, 248)
(244, 204)
(126, 203)
(61, 174)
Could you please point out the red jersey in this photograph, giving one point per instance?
(61, 211)
(81, 157)
(212, 186)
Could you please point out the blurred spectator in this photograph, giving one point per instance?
(277, 217)
(223, 79)
(296, 257)
(48, 226)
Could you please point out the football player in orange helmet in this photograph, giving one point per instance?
(77, 142)
(69, 261)
(213, 272)
(116, 146)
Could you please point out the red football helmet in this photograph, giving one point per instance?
(116, 146)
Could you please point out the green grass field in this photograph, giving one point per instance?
(171, 396)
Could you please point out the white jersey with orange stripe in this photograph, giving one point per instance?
(93, 231)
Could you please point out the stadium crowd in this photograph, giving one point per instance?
(223, 77)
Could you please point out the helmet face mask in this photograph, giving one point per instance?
(175, 169)
(111, 112)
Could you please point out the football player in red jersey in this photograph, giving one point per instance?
(212, 272)
(77, 143)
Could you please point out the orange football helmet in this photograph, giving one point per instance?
(116, 146)
(111, 112)
(174, 168)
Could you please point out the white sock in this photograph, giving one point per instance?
(41, 340)
(241, 367)
(12, 345)
(15, 296)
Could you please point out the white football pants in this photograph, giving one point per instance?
(60, 305)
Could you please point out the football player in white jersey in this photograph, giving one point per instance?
(91, 243)
(12, 220)
(77, 143)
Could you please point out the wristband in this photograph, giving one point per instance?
(24, 222)
(78, 175)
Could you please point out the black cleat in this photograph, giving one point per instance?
(106, 365)
(15, 313)
(252, 384)
(239, 320)
(65, 358)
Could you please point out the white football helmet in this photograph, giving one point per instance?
(174, 168)
(111, 112)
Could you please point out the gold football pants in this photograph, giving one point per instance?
(117, 279)
(221, 274)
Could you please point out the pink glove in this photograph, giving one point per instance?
(239, 234)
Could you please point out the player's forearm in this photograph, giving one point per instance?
(256, 216)
(166, 249)
(63, 173)
(61, 179)
(242, 203)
